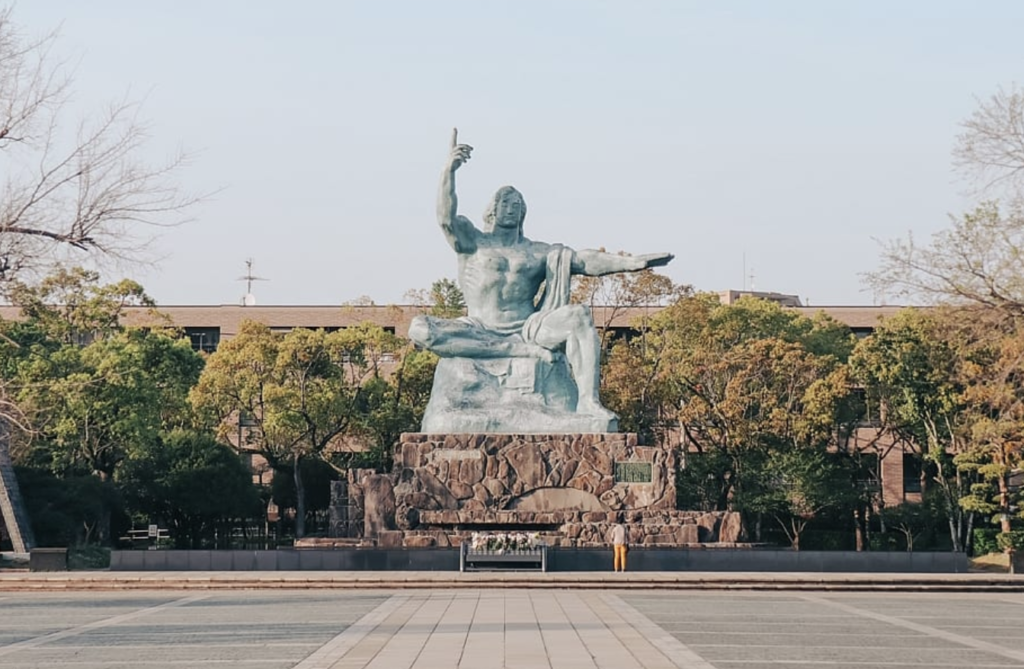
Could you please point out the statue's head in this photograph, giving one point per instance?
(506, 210)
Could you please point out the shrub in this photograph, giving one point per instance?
(985, 540)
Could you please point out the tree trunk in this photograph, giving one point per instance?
(103, 522)
(722, 502)
(1004, 503)
(858, 527)
(954, 533)
(795, 537)
(300, 500)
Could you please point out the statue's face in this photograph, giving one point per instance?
(508, 213)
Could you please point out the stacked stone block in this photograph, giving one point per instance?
(564, 487)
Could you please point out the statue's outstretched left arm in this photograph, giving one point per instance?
(598, 263)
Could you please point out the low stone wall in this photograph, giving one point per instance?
(559, 559)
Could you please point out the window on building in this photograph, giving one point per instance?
(285, 329)
(203, 339)
(912, 470)
(865, 408)
(869, 474)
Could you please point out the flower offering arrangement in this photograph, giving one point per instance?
(503, 542)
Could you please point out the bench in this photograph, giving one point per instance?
(147, 536)
(522, 559)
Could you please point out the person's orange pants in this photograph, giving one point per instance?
(620, 557)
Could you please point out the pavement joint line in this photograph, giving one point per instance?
(674, 649)
(606, 636)
(641, 644)
(564, 601)
(558, 646)
(446, 644)
(409, 649)
(922, 629)
(486, 647)
(327, 654)
(28, 644)
(366, 649)
(523, 640)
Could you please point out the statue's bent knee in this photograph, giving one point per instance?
(580, 315)
(420, 332)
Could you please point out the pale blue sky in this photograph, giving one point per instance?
(791, 132)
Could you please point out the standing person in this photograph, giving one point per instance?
(619, 537)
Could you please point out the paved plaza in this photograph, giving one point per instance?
(480, 629)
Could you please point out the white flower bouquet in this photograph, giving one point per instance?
(503, 542)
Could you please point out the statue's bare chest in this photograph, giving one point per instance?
(505, 264)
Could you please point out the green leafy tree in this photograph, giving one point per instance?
(973, 269)
(306, 393)
(911, 365)
(70, 306)
(444, 299)
(613, 296)
(68, 510)
(912, 520)
(92, 405)
(447, 300)
(993, 378)
(744, 380)
(797, 484)
(88, 390)
(190, 481)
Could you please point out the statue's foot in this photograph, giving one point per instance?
(592, 408)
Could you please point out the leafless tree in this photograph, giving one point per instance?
(989, 151)
(977, 261)
(71, 193)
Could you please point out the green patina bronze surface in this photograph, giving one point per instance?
(522, 360)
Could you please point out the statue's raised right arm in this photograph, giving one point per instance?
(458, 230)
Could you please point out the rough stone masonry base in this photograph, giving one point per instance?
(568, 487)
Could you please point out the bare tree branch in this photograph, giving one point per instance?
(989, 151)
(86, 192)
(978, 261)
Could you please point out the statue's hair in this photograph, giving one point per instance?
(491, 212)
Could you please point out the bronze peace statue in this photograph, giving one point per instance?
(515, 363)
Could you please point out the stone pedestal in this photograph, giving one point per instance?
(506, 395)
(568, 487)
(531, 473)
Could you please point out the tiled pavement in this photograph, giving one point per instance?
(480, 629)
(494, 630)
(489, 628)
